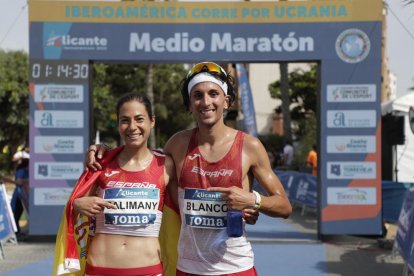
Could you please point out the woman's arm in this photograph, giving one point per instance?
(90, 205)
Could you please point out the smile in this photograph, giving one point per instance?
(134, 135)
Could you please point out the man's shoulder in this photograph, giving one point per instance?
(178, 141)
(251, 143)
(181, 135)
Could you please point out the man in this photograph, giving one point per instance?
(312, 160)
(216, 159)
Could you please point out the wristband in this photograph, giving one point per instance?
(258, 201)
(89, 150)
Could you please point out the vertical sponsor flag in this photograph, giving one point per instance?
(249, 113)
(7, 223)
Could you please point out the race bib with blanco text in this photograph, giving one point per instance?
(204, 209)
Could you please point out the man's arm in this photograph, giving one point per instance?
(276, 203)
(18, 181)
(93, 155)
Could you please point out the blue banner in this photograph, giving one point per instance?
(393, 194)
(405, 233)
(6, 215)
(249, 114)
(300, 187)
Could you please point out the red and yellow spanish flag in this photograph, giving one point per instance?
(74, 234)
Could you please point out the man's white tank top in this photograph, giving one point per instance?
(204, 247)
(139, 197)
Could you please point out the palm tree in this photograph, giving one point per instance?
(284, 89)
(150, 94)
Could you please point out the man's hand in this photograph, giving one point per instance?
(91, 205)
(237, 198)
(93, 154)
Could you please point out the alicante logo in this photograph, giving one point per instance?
(353, 45)
(54, 40)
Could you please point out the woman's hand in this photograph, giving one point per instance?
(250, 216)
(91, 205)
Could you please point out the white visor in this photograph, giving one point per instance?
(206, 77)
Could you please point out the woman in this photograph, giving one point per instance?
(127, 199)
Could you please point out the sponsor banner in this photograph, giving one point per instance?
(51, 196)
(58, 119)
(352, 196)
(199, 12)
(351, 144)
(58, 144)
(58, 93)
(57, 170)
(339, 93)
(351, 170)
(351, 118)
(96, 41)
(204, 209)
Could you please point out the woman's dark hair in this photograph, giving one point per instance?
(141, 98)
(231, 91)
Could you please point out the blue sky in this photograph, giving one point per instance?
(14, 36)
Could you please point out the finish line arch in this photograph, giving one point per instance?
(343, 36)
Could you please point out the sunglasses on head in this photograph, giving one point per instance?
(206, 67)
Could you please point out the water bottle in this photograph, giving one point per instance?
(234, 223)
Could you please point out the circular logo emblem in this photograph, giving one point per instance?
(352, 45)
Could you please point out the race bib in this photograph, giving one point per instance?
(136, 206)
(204, 209)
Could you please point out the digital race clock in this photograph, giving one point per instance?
(50, 70)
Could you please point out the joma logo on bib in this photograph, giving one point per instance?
(205, 222)
(129, 219)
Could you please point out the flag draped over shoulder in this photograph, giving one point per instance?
(73, 236)
(169, 235)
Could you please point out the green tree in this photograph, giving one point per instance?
(14, 104)
(113, 80)
(302, 92)
(308, 127)
(303, 87)
(170, 112)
